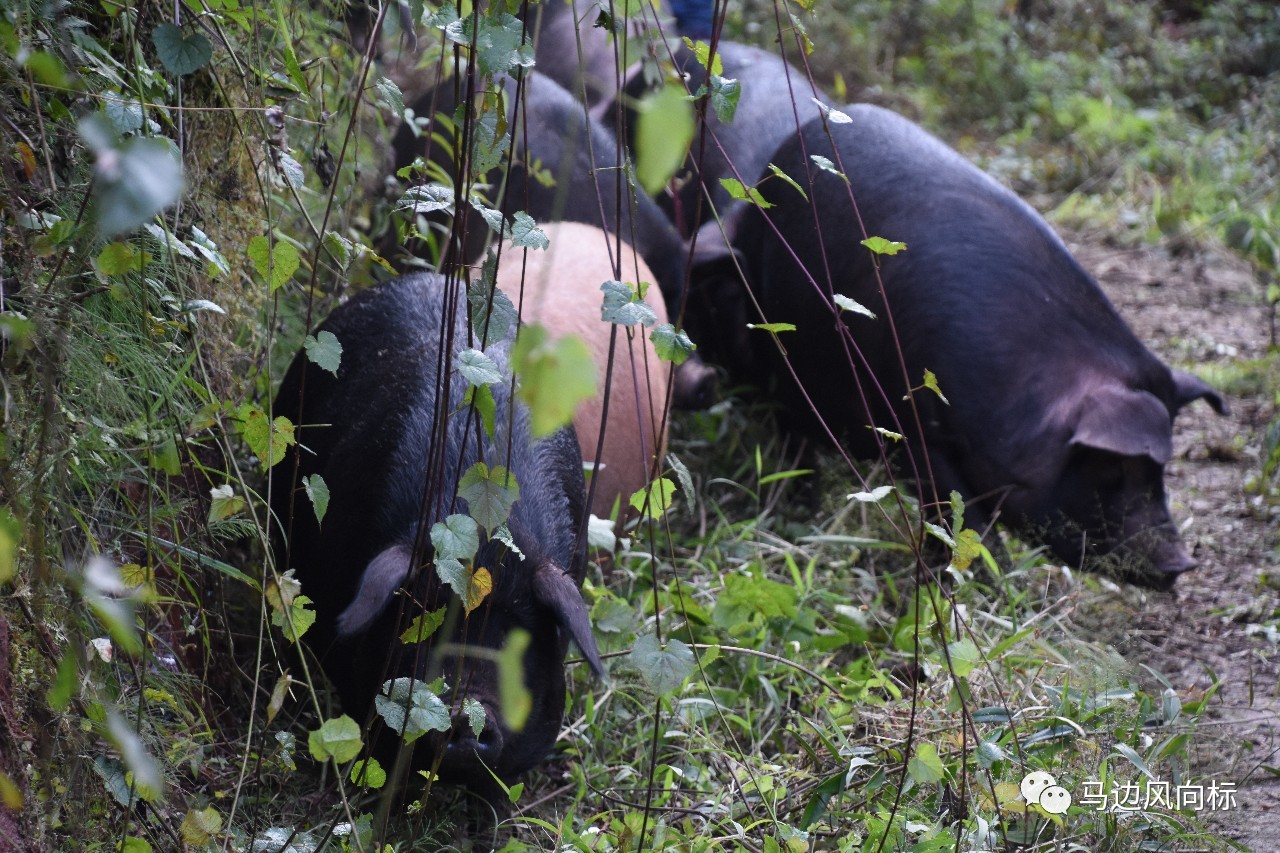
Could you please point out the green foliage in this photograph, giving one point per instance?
(489, 493)
(228, 151)
(555, 376)
(338, 739)
(664, 130)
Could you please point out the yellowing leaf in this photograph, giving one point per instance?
(479, 588)
(199, 826)
(931, 382)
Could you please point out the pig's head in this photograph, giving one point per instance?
(533, 599)
(1097, 499)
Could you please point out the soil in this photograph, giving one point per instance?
(1206, 313)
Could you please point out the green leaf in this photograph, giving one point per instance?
(276, 264)
(426, 199)
(64, 683)
(702, 51)
(318, 491)
(655, 499)
(968, 548)
(492, 314)
(146, 772)
(368, 773)
(664, 668)
(988, 753)
(788, 180)
(503, 535)
(931, 382)
(10, 542)
(181, 55)
(200, 825)
(338, 739)
(268, 439)
(555, 376)
(749, 194)
(964, 655)
(773, 327)
(881, 246)
(125, 114)
(424, 626)
(682, 474)
(925, 767)
(457, 538)
(833, 115)
(724, 97)
(389, 96)
(455, 575)
(493, 218)
(120, 258)
(525, 233)
(477, 368)
(133, 844)
(622, 305)
(498, 44)
(342, 249)
(514, 697)
(827, 166)
(759, 594)
(324, 351)
(475, 715)
(482, 399)
(224, 503)
(409, 705)
(1134, 758)
(664, 129)
(846, 304)
(295, 619)
(133, 181)
(489, 493)
(671, 344)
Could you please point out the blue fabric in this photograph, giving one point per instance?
(693, 17)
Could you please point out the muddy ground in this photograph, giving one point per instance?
(1206, 313)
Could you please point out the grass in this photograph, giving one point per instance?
(811, 691)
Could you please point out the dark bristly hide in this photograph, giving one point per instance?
(391, 437)
(1058, 420)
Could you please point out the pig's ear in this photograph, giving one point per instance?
(1188, 388)
(714, 257)
(382, 577)
(1121, 420)
(555, 589)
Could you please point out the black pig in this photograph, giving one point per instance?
(555, 137)
(391, 437)
(1059, 420)
(775, 99)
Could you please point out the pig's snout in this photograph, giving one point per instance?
(695, 385)
(462, 749)
(1163, 558)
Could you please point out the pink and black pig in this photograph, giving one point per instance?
(1057, 420)
(560, 289)
(391, 436)
(567, 168)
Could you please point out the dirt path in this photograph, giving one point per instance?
(1198, 313)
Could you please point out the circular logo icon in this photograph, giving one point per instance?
(1055, 799)
(1034, 785)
